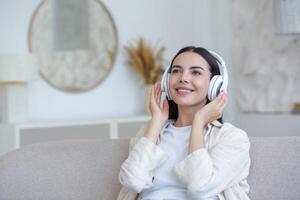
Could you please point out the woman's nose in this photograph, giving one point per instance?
(184, 77)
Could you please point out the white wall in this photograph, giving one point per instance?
(172, 23)
(222, 42)
(255, 124)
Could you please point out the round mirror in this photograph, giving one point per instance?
(75, 42)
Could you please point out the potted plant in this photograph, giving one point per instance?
(147, 61)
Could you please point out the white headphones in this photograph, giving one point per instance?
(217, 84)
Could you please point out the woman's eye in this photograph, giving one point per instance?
(174, 71)
(196, 73)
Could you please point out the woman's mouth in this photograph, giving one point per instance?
(183, 90)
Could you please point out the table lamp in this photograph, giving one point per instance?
(15, 72)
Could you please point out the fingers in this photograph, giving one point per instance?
(221, 103)
(221, 99)
(165, 105)
(224, 102)
(157, 92)
(152, 93)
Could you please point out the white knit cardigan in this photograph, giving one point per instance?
(221, 168)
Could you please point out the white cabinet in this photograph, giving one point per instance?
(14, 136)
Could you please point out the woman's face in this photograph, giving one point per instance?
(189, 79)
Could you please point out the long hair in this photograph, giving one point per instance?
(213, 68)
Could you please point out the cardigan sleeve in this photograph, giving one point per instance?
(137, 171)
(207, 173)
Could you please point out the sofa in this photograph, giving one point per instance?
(88, 170)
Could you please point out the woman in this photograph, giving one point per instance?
(185, 151)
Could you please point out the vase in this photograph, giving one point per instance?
(147, 98)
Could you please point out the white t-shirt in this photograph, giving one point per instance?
(175, 142)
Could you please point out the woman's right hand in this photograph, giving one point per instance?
(158, 114)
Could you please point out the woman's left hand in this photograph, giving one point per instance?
(213, 110)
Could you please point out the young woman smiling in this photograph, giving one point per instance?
(186, 151)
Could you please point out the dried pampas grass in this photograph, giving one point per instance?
(146, 60)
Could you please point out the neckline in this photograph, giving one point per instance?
(171, 124)
(179, 127)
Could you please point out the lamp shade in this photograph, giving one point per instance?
(18, 68)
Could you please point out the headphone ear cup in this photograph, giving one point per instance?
(215, 85)
(164, 83)
(167, 86)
